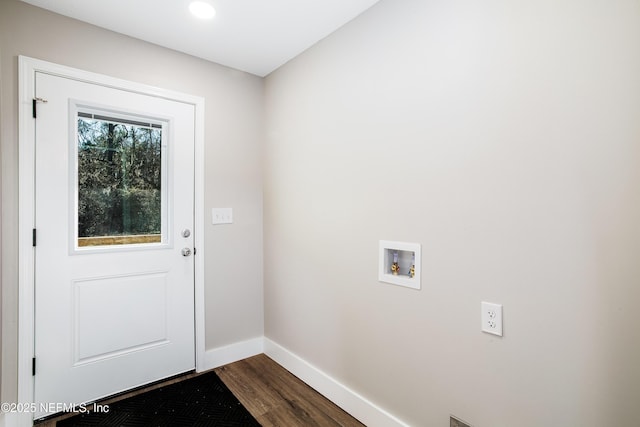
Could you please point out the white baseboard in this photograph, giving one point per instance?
(232, 353)
(359, 407)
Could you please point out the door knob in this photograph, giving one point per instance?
(186, 251)
(186, 233)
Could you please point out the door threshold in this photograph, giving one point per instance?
(50, 420)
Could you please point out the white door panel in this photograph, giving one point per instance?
(113, 316)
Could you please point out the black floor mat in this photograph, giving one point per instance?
(200, 401)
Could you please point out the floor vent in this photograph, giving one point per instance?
(455, 422)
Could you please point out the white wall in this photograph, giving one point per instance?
(505, 138)
(233, 149)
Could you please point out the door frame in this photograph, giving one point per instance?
(27, 67)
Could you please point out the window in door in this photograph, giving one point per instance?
(120, 180)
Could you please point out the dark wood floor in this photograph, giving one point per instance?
(273, 395)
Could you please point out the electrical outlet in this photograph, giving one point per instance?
(492, 318)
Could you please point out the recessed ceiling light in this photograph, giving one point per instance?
(202, 10)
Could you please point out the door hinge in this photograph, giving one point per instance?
(34, 237)
(34, 103)
(33, 366)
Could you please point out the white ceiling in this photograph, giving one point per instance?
(256, 36)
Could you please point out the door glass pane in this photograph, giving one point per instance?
(119, 181)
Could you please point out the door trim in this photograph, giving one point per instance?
(26, 208)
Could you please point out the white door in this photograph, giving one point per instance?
(114, 288)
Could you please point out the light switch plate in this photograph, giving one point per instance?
(492, 318)
(222, 216)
